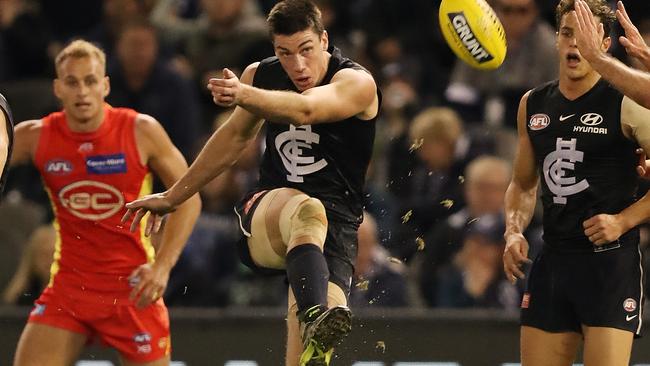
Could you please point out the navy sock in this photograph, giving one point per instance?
(308, 274)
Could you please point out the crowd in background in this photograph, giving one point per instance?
(432, 233)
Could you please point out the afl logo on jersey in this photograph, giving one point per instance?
(591, 119)
(538, 121)
(91, 200)
(58, 167)
(629, 304)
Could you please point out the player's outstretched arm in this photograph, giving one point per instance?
(164, 159)
(633, 83)
(350, 93)
(604, 228)
(520, 200)
(220, 152)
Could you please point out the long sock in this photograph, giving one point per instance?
(308, 275)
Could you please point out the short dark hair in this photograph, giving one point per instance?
(291, 16)
(600, 9)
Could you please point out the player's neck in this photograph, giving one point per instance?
(574, 88)
(85, 125)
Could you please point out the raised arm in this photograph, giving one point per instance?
(520, 199)
(168, 164)
(633, 83)
(350, 93)
(633, 42)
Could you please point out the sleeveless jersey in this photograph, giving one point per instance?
(4, 108)
(89, 177)
(327, 161)
(586, 164)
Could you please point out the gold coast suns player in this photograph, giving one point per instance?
(106, 282)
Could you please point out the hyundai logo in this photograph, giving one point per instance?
(591, 119)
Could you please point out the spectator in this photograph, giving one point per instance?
(475, 277)
(24, 42)
(115, 15)
(429, 186)
(228, 33)
(378, 281)
(485, 182)
(407, 26)
(140, 79)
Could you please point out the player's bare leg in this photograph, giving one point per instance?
(607, 346)
(160, 362)
(271, 225)
(294, 342)
(268, 245)
(288, 231)
(540, 348)
(42, 344)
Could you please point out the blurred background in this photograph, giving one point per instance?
(430, 246)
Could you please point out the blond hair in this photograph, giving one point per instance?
(487, 165)
(437, 123)
(80, 49)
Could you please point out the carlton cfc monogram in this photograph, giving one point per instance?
(290, 145)
(556, 166)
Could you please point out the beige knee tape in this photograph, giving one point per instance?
(303, 221)
(335, 296)
(259, 243)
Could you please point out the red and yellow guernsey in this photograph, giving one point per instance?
(89, 178)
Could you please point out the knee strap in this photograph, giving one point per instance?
(306, 223)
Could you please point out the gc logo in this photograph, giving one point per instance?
(591, 119)
(91, 200)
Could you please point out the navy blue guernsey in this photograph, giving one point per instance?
(327, 161)
(586, 164)
(4, 108)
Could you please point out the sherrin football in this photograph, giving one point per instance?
(474, 33)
